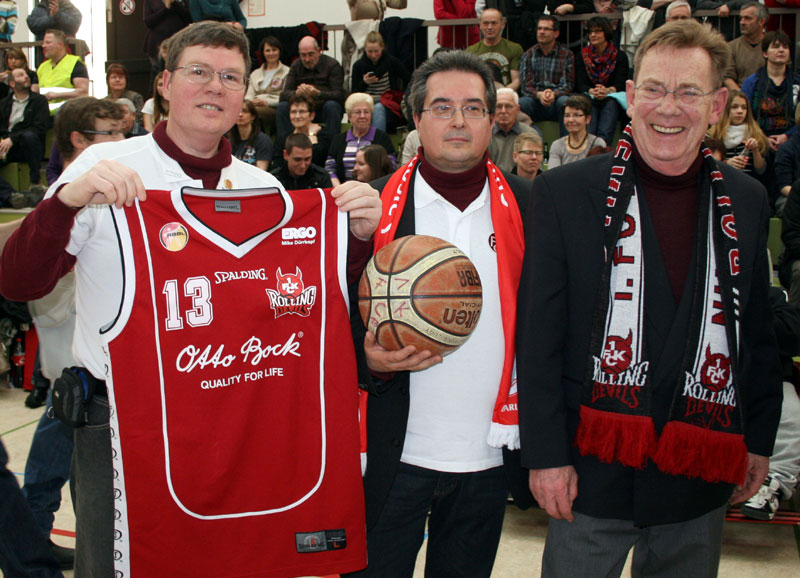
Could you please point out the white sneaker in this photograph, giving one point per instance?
(765, 503)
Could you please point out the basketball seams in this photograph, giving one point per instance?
(419, 304)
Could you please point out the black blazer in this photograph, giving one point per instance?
(35, 118)
(560, 278)
(388, 405)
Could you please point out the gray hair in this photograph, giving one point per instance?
(207, 33)
(762, 13)
(453, 60)
(358, 98)
(508, 91)
(126, 102)
(677, 4)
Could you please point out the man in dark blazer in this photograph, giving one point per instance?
(434, 442)
(649, 387)
(24, 118)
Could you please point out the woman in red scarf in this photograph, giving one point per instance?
(601, 70)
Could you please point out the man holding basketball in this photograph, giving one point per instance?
(435, 427)
(649, 387)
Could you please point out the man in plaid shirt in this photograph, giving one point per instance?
(547, 74)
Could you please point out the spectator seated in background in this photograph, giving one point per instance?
(297, 172)
(301, 111)
(547, 73)
(248, 142)
(319, 77)
(372, 163)
(787, 167)
(343, 149)
(578, 142)
(506, 129)
(378, 73)
(24, 118)
(85, 123)
(8, 19)
(495, 49)
(117, 83)
(54, 15)
(746, 145)
(746, 53)
(61, 71)
(601, 70)
(227, 11)
(129, 125)
(784, 463)
(660, 9)
(528, 155)
(773, 89)
(156, 108)
(679, 10)
(15, 58)
(266, 81)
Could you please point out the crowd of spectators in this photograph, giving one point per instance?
(540, 63)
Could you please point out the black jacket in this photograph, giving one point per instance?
(388, 404)
(398, 74)
(560, 278)
(36, 117)
(315, 177)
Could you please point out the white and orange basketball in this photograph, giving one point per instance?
(422, 291)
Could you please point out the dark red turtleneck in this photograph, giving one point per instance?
(206, 170)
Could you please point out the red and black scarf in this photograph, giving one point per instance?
(703, 436)
(600, 67)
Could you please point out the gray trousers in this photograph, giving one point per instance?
(784, 465)
(597, 548)
(93, 494)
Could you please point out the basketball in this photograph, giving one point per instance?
(422, 291)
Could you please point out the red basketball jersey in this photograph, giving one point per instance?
(233, 388)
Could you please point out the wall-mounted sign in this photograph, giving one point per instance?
(127, 7)
(256, 8)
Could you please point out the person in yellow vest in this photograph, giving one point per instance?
(61, 70)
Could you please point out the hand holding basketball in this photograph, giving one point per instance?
(406, 359)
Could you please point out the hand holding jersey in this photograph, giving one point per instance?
(107, 183)
(364, 205)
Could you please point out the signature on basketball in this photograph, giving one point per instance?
(253, 351)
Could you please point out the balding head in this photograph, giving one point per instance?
(492, 24)
(309, 51)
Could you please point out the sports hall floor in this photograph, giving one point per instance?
(757, 550)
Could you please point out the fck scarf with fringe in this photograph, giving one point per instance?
(703, 437)
(510, 246)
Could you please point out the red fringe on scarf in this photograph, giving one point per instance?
(616, 437)
(713, 456)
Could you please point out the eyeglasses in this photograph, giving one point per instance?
(201, 74)
(470, 111)
(531, 153)
(687, 96)
(104, 132)
(571, 115)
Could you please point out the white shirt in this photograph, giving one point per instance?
(452, 402)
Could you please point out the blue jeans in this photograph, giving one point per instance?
(466, 518)
(379, 117)
(330, 114)
(538, 112)
(604, 119)
(48, 466)
(93, 494)
(24, 553)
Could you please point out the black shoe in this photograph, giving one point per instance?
(36, 398)
(64, 556)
